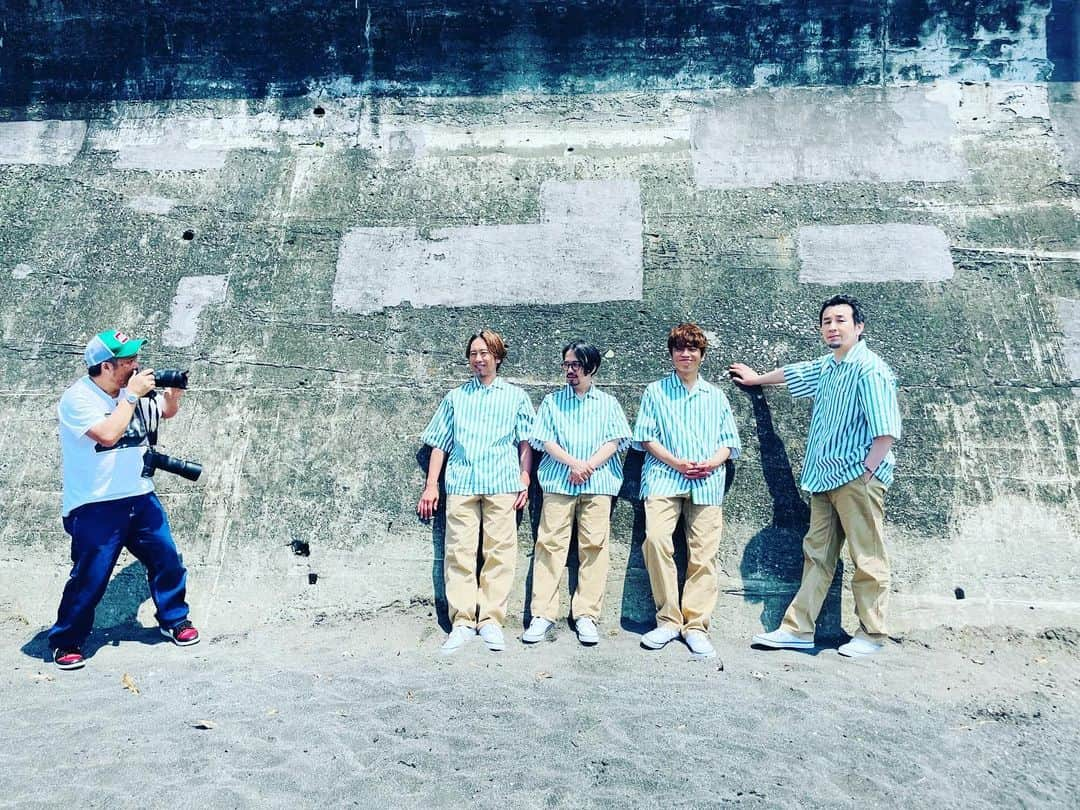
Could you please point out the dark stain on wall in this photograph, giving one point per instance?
(78, 51)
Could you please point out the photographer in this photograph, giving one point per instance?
(108, 502)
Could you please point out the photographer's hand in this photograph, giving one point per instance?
(142, 383)
(171, 402)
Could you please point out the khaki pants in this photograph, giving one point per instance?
(593, 513)
(855, 512)
(474, 603)
(703, 527)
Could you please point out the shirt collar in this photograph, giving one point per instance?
(474, 384)
(570, 392)
(701, 385)
(854, 353)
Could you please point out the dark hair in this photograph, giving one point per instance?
(587, 354)
(857, 314)
(493, 340)
(94, 370)
(687, 334)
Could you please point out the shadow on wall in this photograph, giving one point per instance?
(115, 620)
(772, 561)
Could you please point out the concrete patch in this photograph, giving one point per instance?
(784, 136)
(586, 248)
(149, 204)
(49, 143)
(837, 254)
(1068, 312)
(185, 144)
(21, 271)
(193, 294)
(1065, 116)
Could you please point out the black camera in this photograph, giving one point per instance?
(153, 461)
(170, 378)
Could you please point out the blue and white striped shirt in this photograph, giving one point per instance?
(854, 401)
(580, 425)
(480, 428)
(691, 425)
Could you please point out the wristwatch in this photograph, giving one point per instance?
(130, 397)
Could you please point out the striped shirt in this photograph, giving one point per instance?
(580, 425)
(479, 427)
(691, 425)
(854, 401)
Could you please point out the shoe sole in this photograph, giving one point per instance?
(858, 654)
(588, 642)
(779, 645)
(177, 641)
(654, 645)
(76, 665)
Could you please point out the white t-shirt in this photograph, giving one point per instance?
(92, 472)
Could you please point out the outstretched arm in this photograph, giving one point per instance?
(744, 375)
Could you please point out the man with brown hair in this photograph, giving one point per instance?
(686, 428)
(483, 427)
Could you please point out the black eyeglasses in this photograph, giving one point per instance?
(573, 365)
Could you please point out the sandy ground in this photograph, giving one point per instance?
(368, 714)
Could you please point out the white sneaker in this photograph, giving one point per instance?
(538, 629)
(699, 644)
(457, 638)
(658, 638)
(492, 635)
(586, 631)
(859, 648)
(782, 640)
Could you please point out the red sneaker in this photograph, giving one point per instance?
(183, 635)
(69, 659)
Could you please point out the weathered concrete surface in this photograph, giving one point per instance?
(307, 415)
(53, 143)
(193, 295)
(586, 248)
(841, 254)
(75, 51)
(817, 136)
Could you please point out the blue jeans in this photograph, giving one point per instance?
(99, 531)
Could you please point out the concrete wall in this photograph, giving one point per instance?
(317, 261)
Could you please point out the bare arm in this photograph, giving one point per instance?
(108, 431)
(429, 498)
(879, 448)
(524, 465)
(744, 375)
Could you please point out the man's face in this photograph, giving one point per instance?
(123, 368)
(686, 359)
(838, 327)
(481, 360)
(576, 375)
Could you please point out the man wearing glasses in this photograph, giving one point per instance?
(687, 431)
(482, 427)
(581, 431)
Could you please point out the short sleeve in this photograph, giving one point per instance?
(802, 378)
(729, 434)
(616, 427)
(523, 419)
(79, 411)
(877, 395)
(440, 430)
(647, 425)
(543, 429)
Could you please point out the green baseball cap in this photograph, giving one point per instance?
(112, 344)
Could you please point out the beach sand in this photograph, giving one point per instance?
(367, 713)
